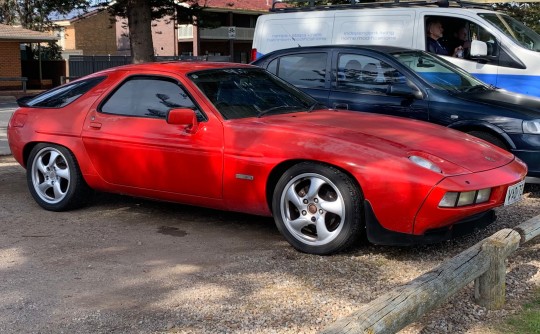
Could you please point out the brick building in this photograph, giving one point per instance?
(11, 39)
(97, 33)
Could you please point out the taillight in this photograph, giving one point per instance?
(253, 54)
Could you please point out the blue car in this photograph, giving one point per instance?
(414, 84)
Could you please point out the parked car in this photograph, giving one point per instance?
(413, 84)
(235, 137)
(503, 51)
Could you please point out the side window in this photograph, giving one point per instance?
(452, 37)
(306, 70)
(64, 95)
(146, 96)
(272, 66)
(366, 74)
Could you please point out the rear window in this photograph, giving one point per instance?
(63, 95)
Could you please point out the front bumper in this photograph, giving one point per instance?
(378, 235)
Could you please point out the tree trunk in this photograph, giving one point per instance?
(140, 31)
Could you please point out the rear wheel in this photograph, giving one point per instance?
(489, 138)
(54, 178)
(318, 208)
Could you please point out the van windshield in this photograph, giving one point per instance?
(440, 73)
(515, 30)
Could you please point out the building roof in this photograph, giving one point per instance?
(11, 33)
(252, 5)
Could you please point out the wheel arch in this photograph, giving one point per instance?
(280, 169)
(468, 126)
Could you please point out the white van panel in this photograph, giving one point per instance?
(377, 28)
(293, 30)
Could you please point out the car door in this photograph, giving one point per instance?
(361, 81)
(306, 70)
(131, 144)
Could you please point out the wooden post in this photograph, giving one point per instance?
(489, 288)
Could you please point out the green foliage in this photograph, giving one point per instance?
(528, 13)
(35, 14)
(188, 12)
(525, 322)
(50, 52)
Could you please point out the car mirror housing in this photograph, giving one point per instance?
(183, 116)
(478, 48)
(404, 90)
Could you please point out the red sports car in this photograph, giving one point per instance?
(234, 137)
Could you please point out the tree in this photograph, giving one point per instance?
(35, 14)
(528, 13)
(140, 13)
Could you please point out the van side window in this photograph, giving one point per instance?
(306, 70)
(367, 74)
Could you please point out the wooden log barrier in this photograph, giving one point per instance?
(398, 308)
(529, 229)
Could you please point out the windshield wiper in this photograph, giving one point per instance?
(317, 105)
(476, 88)
(277, 110)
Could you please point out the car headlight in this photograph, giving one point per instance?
(425, 163)
(455, 199)
(531, 127)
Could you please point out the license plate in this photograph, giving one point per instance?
(513, 194)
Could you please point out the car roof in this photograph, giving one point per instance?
(179, 67)
(376, 48)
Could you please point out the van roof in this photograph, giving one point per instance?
(302, 5)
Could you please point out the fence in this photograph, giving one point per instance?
(483, 263)
(83, 65)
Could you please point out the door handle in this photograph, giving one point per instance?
(95, 125)
(341, 106)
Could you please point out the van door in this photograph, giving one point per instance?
(362, 81)
(305, 70)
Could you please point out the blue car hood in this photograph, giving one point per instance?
(526, 106)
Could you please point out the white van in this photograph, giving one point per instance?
(510, 58)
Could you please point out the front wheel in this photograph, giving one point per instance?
(318, 208)
(54, 178)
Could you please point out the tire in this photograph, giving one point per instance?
(489, 138)
(54, 178)
(318, 208)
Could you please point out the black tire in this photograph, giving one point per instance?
(318, 208)
(54, 178)
(489, 138)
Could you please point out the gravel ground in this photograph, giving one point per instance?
(125, 265)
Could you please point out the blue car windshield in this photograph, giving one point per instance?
(515, 30)
(439, 73)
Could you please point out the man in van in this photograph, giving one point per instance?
(434, 33)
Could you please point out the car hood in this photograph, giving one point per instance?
(525, 106)
(399, 137)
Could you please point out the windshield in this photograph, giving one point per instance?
(438, 72)
(250, 92)
(515, 30)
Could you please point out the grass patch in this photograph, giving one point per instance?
(527, 321)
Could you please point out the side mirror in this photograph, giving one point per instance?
(478, 49)
(183, 116)
(404, 90)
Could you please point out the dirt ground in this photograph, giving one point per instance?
(126, 265)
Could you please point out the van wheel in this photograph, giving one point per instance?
(318, 208)
(489, 138)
